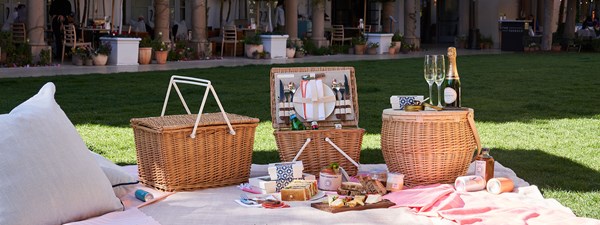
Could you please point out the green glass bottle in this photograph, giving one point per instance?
(452, 93)
(296, 123)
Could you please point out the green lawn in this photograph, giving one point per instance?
(539, 113)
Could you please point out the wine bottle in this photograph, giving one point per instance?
(452, 91)
(296, 123)
(484, 165)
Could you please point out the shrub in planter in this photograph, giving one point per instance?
(359, 44)
(253, 43)
(145, 51)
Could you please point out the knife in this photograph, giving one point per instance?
(281, 94)
(346, 85)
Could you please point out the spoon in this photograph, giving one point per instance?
(292, 88)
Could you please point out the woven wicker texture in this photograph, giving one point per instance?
(319, 153)
(170, 160)
(428, 147)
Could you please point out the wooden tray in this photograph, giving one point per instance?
(325, 206)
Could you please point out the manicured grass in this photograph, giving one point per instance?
(537, 112)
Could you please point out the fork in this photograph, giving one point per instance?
(342, 90)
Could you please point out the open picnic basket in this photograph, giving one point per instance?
(338, 137)
(194, 151)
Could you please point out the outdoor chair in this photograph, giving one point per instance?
(229, 36)
(19, 33)
(367, 28)
(70, 39)
(338, 35)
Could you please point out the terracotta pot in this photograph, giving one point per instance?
(100, 59)
(299, 54)
(290, 52)
(88, 62)
(250, 49)
(397, 45)
(372, 51)
(145, 56)
(360, 49)
(77, 60)
(556, 48)
(161, 57)
(392, 51)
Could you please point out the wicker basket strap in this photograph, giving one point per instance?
(341, 152)
(301, 149)
(199, 82)
(471, 119)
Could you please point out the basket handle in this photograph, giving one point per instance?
(471, 119)
(301, 149)
(341, 151)
(199, 82)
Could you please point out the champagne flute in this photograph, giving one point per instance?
(440, 74)
(429, 72)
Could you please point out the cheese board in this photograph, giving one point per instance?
(325, 206)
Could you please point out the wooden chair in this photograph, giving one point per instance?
(70, 39)
(229, 36)
(367, 28)
(338, 35)
(19, 33)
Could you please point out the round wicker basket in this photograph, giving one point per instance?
(429, 147)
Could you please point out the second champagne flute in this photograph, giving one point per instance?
(429, 72)
(440, 74)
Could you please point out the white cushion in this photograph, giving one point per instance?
(47, 175)
(121, 181)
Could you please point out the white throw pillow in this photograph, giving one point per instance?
(47, 175)
(122, 183)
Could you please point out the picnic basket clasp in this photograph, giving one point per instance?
(199, 82)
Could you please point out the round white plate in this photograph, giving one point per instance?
(329, 106)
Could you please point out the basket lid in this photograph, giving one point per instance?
(172, 122)
(337, 109)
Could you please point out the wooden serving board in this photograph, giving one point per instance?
(325, 206)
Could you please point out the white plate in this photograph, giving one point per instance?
(329, 106)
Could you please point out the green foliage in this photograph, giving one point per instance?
(360, 40)
(45, 57)
(181, 52)
(290, 44)
(103, 48)
(146, 42)
(253, 40)
(6, 42)
(21, 56)
(398, 37)
(373, 45)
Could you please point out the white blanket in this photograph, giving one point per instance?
(217, 206)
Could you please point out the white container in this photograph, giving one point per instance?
(384, 40)
(395, 182)
(124, 52)
(297, 168)
(275, 45)
(330, 182)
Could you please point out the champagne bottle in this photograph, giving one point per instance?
(452, 91)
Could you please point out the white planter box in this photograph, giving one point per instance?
(124, 50)
(384, 41)
(275, 44)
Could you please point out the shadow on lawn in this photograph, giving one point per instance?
(549, 171)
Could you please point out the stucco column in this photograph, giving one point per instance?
(199, 36)
(547, 32)
(291, 18)
(410, 22)
(318, 24)
(463, 19)
(35, 27)
(161, 22)
(388, 9)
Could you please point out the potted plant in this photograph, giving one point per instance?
(100, 55)
(460, 41)
(80, 55)
(405, 48)
(392, 49)
(253, 43)
(160, 50)
(6, 45)
(397, 39)
(372, 48)
(300, 52)
(359, 43)
(290, 50)
(145, 52)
